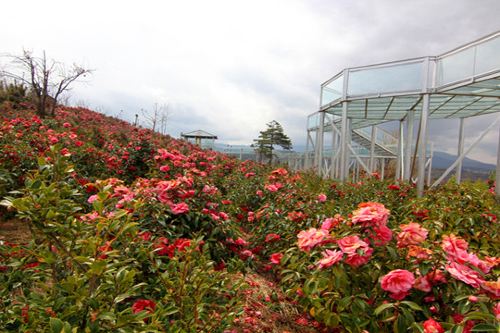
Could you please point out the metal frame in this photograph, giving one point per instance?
(470, 93)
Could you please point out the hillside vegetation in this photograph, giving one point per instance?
(126, 230)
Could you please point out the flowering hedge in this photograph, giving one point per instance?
(133, 231)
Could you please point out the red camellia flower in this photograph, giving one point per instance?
(276, 258)
(272, 238)
(143, 305)
(432, 326)
(398, 282)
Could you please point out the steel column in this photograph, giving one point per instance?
(429, 170)
(382, 168)
(497, 187)
(460, 149)
(334, 151)
(372, 148)
(319, 143)
(399, 159)
(422, 145)
(408, 146)
(343, 143)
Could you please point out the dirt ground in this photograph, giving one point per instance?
(14, 231)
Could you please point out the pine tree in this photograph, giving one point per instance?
(273, 135)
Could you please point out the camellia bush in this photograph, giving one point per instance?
(130, 231)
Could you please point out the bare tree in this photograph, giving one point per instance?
(47, 79)
(158, 118)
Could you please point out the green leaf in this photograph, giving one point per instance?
(383, 307)
(107, 316)
(56, 325)
(484, 327)
(121, 297)
(457, 329)
(412, 305)
(478, 316)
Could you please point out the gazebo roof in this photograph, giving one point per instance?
(199, 134)
(464, 82)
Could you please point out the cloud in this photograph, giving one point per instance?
(229, 67)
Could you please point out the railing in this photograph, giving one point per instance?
(412, 76)
(477, 58)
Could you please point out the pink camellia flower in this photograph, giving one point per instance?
(456, 248)
(241, 242)
(422, 283)
(432, 326)
(276, 258)
(308, 239)
(249, 174)
(330, 258)
(143, 305)
(164, 168)
(411, 234)
(496, 311)
(322, 197)
(246, 254)
(273, 187)
(398, 282)
(92, 198)
(382, 235)
(351, 244)
(179, 208)
(331, 222)
(358, 251)
(465, 274)
(492, 288)
(369, 213)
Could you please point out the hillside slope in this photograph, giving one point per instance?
(130, 231)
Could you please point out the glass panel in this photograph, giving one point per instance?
(332, 90)
(456, 67)
(487, 58)
(395, 78)
(313, 121)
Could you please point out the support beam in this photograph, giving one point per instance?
(306, 154)
(422, 145)
(460, 149)
(461, 157)
(372, 148)
(348, 143)
(497, 187)
(343, 144)
(334, 150)
(408, 146)
(343, 136)
(399, 159)
(320, 145)
(429, 168)
(382, 168)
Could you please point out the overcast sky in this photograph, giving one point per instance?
(229, 67)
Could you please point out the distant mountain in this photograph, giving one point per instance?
(442, 160)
